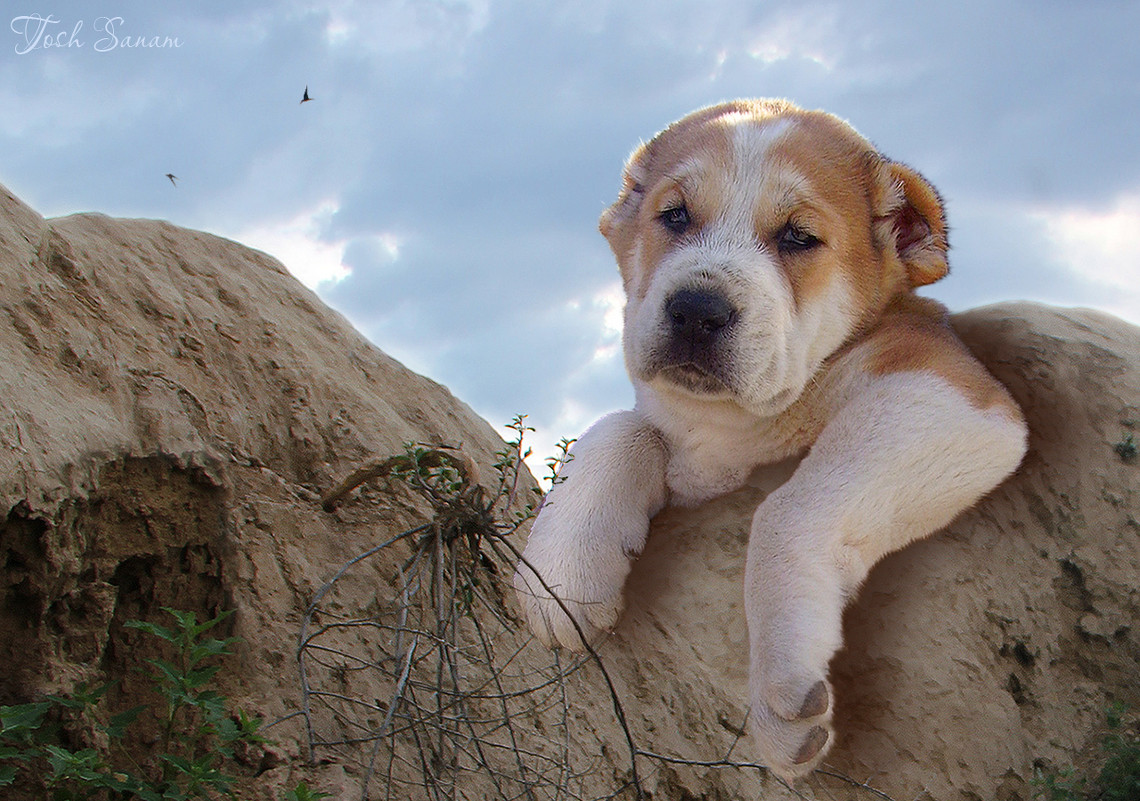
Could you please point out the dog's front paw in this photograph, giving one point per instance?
(791, 721)
(591, 524)
(791, 699)
(589, 587)
(571, 576)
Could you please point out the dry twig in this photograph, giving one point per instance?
(437, 692)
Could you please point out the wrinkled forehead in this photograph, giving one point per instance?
(788, 149)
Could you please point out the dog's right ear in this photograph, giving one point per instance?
(614, 223)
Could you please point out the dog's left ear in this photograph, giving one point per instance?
(910, 221)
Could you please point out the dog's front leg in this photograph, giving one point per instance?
(591, 524)
(899, 461)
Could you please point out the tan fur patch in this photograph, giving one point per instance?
(681, 164)
(835, 160)
(915, 335)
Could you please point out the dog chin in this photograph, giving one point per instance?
(773, 404)
(695, 381)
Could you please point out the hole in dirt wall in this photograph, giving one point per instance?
(150, 535)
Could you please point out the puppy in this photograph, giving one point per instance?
(769, 257)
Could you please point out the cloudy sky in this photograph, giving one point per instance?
(442, 189)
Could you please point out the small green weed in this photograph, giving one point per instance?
(1119, 776)
(198, 735)
(1126, 449)
(302, 793)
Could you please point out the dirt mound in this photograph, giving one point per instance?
(175, 404)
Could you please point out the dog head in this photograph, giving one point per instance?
(754, 239)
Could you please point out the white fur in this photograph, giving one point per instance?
(583, 540)
(815, 538)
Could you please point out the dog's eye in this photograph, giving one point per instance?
(675, 219)
(793, 239)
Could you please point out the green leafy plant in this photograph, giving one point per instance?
(197, 733)
(560, 459)
(1060, 785)
(196, 746)
(302, 793)
(1126, 449)
(1119, 778)
(1119, 775)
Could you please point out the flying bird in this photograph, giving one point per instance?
(173, 179)
(306, 98)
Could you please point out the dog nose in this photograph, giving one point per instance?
(698, 316)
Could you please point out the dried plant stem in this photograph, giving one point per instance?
(460, 703)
